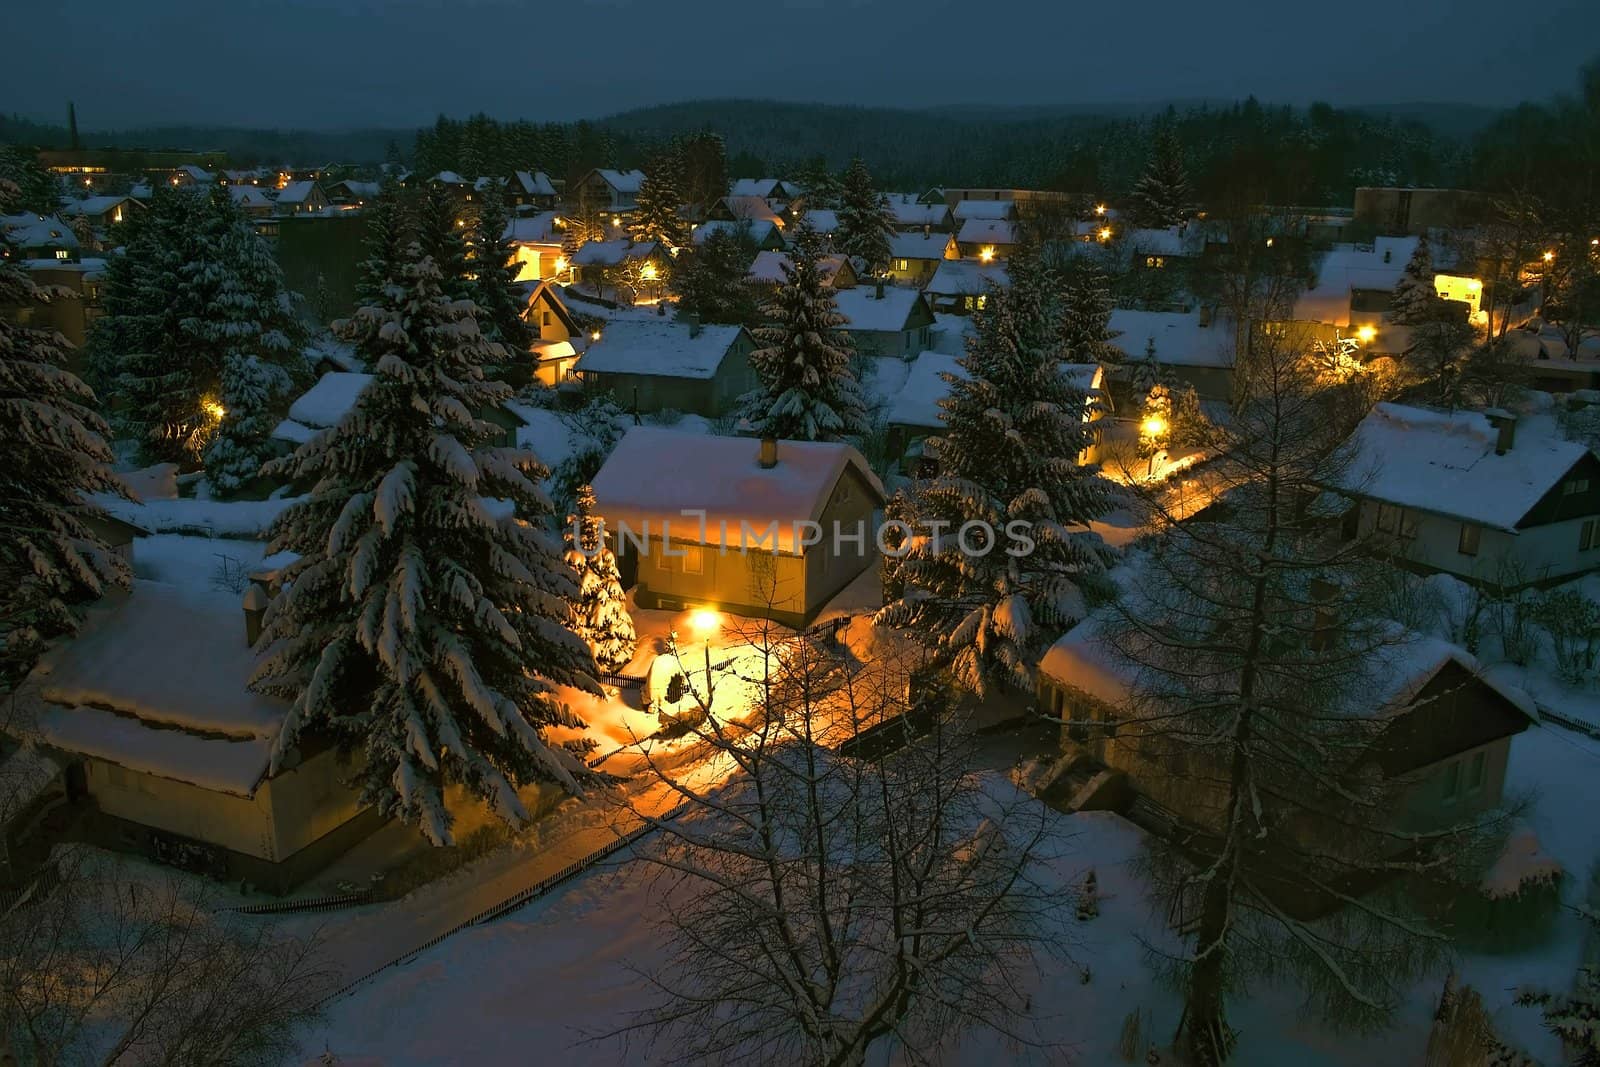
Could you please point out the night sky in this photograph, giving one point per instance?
(341, 63)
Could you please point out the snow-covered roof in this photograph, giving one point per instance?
(613, 253)
(866, 311)
(330, 399)
(199, 174)
(1348, 266)
(623, 181)
(655, 473)
(537, 183)
(449, 177)
(537, 229)
(768, 266)
(985, 209)
(917, 403)
(1180, 339)
(907, 212)
(1167, 242)
(248, 196)
(752, 208)
(95, 205)
(1446, 463)
(157, 680)
(660, 347)
(919, 246)
(359, 189)
(28, 229)
(822, 220)
(760, 230)
(296, 192)
(988, 231)
(966, 277)
(758, 187)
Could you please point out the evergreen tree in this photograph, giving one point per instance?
(865, 221)
(1415, 299)
(418, 625)
(821, 185)
(1014, 431)
(1146, 372)
(441, 234)
(704, 174)
(1085, 334)
(1162, 196)
(56, 454)
(494, 288)
(711, 280)
(29, 187)
(602, 607)
(250, 325)
(808, 388)
(657, 216)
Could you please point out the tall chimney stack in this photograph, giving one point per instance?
(769, 452)
(1505, 425)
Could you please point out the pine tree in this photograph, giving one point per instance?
(602, 607)
(657, 216)
(1009, 454)
(808, 389)
(1415, 299)
(386, 243)
(1086, 334)
(441, 234)
(1162, 196)
(494, 289)
(711, 280)
(56, 454)
(418, 625)
(865, 221)
(821, 185)
(250, 325)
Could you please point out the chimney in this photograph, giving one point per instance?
(690, 319)
(1505, 425)
(880, 289)
(769, 452)
(255, 609)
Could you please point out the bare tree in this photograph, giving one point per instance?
(1257, 665)
(849, 883)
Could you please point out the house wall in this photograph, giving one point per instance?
(309, 802)
(1466, 784)
(718, 396)
(1432, 543)
(753, 582)
(850, 509)
(900, 344)
(1211, 383)
(917, 272)
(536, 262)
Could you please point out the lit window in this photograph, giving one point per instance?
(61, 253)
(694, 561)
(983, 301)
(900, 264)
(1467, 544)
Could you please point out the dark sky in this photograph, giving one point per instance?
(340, 63)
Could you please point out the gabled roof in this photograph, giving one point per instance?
(1179, 338)
(919, 246)
(988, 231)
(768, 266)
(966, 210)
(821, 219)
(537, 183)
(750, 207)
(907, 212)
(448, 177)
(614, 252)
(654, 474)
(623, 181)
(917, 402)
(537, 229)
(248, 196)
(96, 205)
(199, 174)
(358, 189)
(868, 312)
(297, 192)
(966, 277)
(28, 230)
(764, 188)
(1167, 242)
(661, 348)
(1446, 463)
(760, 230)
(542, 292)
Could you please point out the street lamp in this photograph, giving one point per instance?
(1365, 334)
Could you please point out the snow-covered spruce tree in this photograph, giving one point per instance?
(250, 324)
(494, 289)
(55, 454)
(140, 354)
(420, 626)
(1162, 196)
(377, 283)
(441, 235)
(1015, 429)
(808, 389)
(657, 218)
(1415, 299)
(601, 609)
(1085, 333)
(712, 280)
(865, 222)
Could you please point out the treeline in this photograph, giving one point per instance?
(244, 147)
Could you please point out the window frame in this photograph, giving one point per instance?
(1469, 539)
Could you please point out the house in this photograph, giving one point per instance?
(987, 240)
(351, 192)
(987, 210)
(910, 214)
(764, 234)
(330, 399)
(824, 222)
(531, 189)
(251, 200)
(624, 265)
(1480, 495)
(610, 190)
(558, 339)
(961, 286)
(775, 191)
(727, 522)
(752, 209)
(1355, 282)
(536, 246)
(767, 269)
(149, 708)
(658, 364)
(72, 318)
(886, 320)
(913, 257)
(1196, 347)
(1447, 738)
(32, 236)
(103, 212)
(301, 198)
(190, 175)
